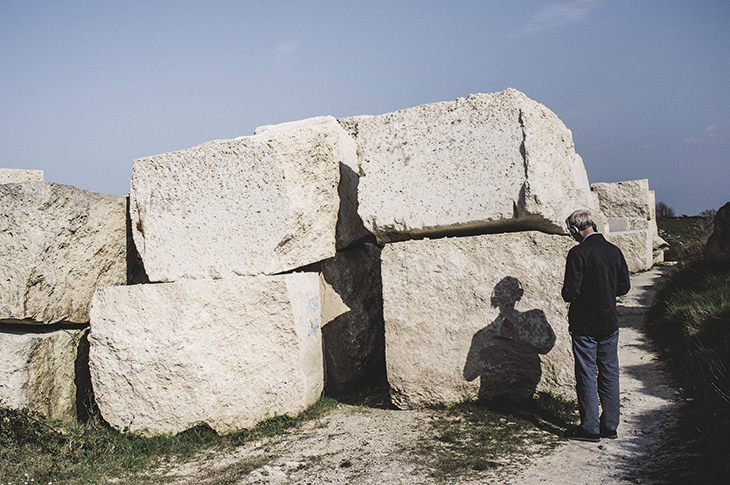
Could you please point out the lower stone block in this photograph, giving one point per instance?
(476, 317)
(226, 353)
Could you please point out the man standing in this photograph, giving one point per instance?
(595, 273)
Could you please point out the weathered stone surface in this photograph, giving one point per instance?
(354, 344)
(628, 205)
(486, 162)
(227, 353)
(13, 175)
(38, 371)
(261, 204)
(476, 317)
(718, 245)
(637, 247)
(57, 245)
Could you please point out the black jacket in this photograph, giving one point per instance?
(595, 273)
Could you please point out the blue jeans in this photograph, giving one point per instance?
(597, 355)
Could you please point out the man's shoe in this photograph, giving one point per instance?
(579, 434)
(609, 433)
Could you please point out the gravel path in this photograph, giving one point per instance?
(358, 445)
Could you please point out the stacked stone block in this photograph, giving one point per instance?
(630, 210)
(58, 245)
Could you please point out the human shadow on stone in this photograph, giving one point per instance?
(505, 354)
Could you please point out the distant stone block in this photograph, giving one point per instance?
(476, 317)
(38, 371)
(631, 200)
(261, 204)
(14, 176)
(718, 244)
(58, 244)
(637, 246)
(489, 162)
(227, 353)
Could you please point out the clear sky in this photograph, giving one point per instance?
(88, 86)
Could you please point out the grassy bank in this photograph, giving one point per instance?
(690, 325)
(33, 448)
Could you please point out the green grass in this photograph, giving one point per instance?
(690, 325)
(476, 436)
(686, 236)
(54, 452)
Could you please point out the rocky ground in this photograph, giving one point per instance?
(360, 445)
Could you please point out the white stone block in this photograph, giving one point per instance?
(261, 204)
(227, 353)
(476, 317)
(38, 371)
(637, 247)
(58, 244)
(486, 162)
(13, 175)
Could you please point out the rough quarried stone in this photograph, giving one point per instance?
(484, 163)
(637, 247)
(260, 204)
(718, 245)
(57, 245)
(627, 205)
(354, 345)
(38, 371)
(13, 175)
(227, 353)
(476, 317)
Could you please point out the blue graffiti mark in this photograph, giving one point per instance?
(313, 328)
(313, 304)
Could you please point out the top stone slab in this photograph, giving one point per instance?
(488, 162)
(261, 204)
(14, 175)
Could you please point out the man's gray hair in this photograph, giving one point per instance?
(581, 219)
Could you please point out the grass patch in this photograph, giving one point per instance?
(690, 325)
(74, 453)
(686, 236)
(476, 436)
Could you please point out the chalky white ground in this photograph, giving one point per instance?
(356, 445)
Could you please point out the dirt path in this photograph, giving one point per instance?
(648, 409)
(358, 446)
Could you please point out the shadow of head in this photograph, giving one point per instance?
(507, 293)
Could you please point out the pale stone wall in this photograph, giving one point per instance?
(58, 244)
(38, 371)
(262, 204)
(487, 162)
(457, 327)
(13, 175)
(227, 353)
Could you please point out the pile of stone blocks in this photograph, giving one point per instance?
(630, 209)
(59, 244)
(235, 236)
(427, 245)
(465, 196)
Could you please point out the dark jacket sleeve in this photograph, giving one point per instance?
(573, 276)
(623, 279)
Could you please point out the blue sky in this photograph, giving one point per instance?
(88, 86)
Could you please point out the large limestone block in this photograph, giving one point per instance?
(476, 317)
(38, 371)
(630, 200)
(13, 175)
(637, 246)
(260, 204)
(486, 162)
(58, 244)
(354, 342)
(227, 353)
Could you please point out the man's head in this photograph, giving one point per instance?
(580, 223)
